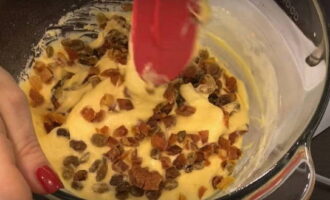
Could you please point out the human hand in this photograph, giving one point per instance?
(23, 166)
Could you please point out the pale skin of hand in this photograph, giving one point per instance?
(20, 153)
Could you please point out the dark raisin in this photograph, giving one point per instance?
(170, 93)
(180, 161)
(122, 190)
(180, 100)
(166, 162)
(67, 173)
(62, 132)
(153, 194)
(99, 140)
(203, 54)
(102, 171)
(185, 110)
(174, 150)
(172, 173)
(155, 154)
(129, 141)
(100, 188)
(181, 135)
(80, 175)
(71, 161)
(169, 121)
(120, 166)
(191, 157)
(125, 104)
(214, 99)
(231, 84)
(74, 44)
(226, 99)
(77, 185)
(114, 153)
(94, 166)
(88, 60)
(170, 184)
(136, 191)
(216, 180)
(120, 131)
(78, 145)
(116, 180)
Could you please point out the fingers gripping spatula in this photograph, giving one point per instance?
(163, 36)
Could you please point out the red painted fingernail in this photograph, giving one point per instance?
(48, 179)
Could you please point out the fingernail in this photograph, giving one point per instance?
(48, 179)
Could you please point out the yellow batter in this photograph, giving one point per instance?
(79, 95)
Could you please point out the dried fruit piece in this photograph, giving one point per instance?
(78, 145)
(171, 93)
(94, 80)
(226, 99)
(88, 114)
(94, 166)
(180, 161)
(122, 190)
(120, 166)
(114, 75)
(185, 110)
(155, 154)
(195, 138)
(77, 185)
(129, 141)
(191, 158)
(112, 141)
(102, 171)
(99, 116)
(100, 188)
(207, 85)
(172, 139)
(84, 158)
(125, 104)
(231, 84)
(136, 192)
(170, 184)
(211, 67)
(181, 135)
(166, 162)
(99, 140)
(116, 180)
(101, 19)
(63, 132)
(35, 82)
(232, 137)
(234, 153)
(114, 153)
(158, 141)
(192, 74)
(104, 130)
(121, 131)
(172, 173)
(174, 150)
(71, 161)
(109, 101)
(223, 143)
(188, 168)
(201, 192)
(36, 98)
(46, 75)
(80, 175)
(67, 173)
(169, 121)
(216, 180)
(143, 178)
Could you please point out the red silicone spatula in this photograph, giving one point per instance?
(163, 35)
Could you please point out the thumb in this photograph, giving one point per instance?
(30, 159)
